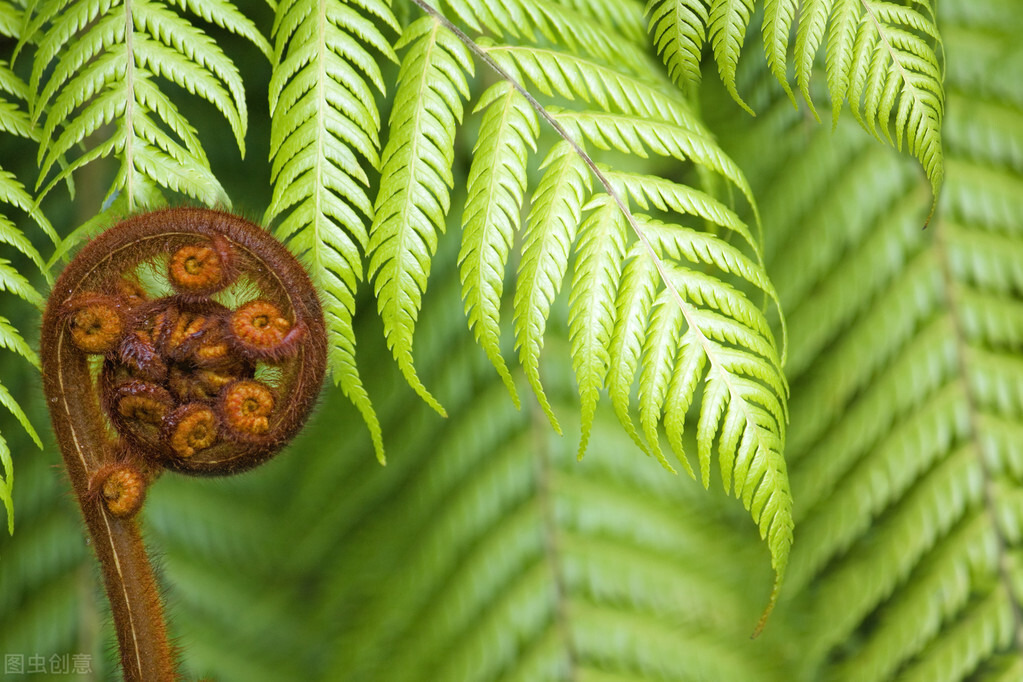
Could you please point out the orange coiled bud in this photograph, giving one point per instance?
(190, 428)
(246, 407)
(259, 330)
(201, 268)
(95, 323)
(122, 487)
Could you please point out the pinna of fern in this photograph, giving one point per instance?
(325, 126)
(14, 121)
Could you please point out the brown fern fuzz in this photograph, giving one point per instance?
(137, 382)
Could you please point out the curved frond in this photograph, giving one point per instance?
(101, 62)
(324, 126)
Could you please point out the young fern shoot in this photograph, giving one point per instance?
(146, 367)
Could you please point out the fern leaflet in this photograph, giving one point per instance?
(414, 195)
(324, 122)
(679, 30)
(12, 193)
(551, 229)
(496, 185)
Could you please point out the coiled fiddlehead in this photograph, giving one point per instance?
(184, 339)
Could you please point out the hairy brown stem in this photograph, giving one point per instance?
(127, 573)
(139, 380)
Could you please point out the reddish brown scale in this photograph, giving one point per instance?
(138, 353)
(205, 384)
(177, 387)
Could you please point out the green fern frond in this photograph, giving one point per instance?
(553, 220)
(640, 136)
(679, 30)
(813, 17)
(595, 283)
(665, 195)
(101, 62)
(413, 201)
(880, 58)
(14, 121)
(543, 21)
(743, 406)
(626, 17)
(324, 125)
(10, 19)
(609, 343)
(496, 185)
(577, 78)
(726, 32)
(777, 30)
(230, 18)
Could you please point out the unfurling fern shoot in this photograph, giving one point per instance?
(147, 368)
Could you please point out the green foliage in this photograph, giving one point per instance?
(881, 58)
(95, 65)
(324, 126)
(15, 122)
(625, 229)
(413, 200)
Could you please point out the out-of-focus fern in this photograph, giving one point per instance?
(507, 559)
(882, 58)
(906, 372)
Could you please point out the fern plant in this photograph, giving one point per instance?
(563, 179)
